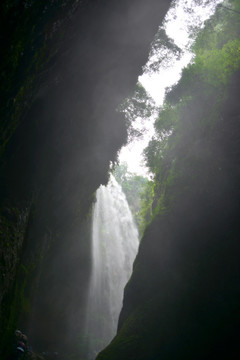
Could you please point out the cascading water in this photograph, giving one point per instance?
(114, 247)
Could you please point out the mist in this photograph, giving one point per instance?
(66, 77)
(63, 135)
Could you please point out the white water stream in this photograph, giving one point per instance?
(114, 247)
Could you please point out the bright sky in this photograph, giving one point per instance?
(178, 25)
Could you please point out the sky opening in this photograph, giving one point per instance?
(163, 69)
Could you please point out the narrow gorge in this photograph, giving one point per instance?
(67, 68)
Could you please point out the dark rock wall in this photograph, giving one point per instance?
(63, 134)
(182, 301)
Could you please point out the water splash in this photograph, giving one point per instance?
(114, 247)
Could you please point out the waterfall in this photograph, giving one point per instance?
(114, 247)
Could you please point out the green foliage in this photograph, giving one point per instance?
(217, 56)
(219, 65)
(120, 172)
(192, 108)
(157, 153)
(163, 50)
(166, 120)
(133, 187)
(139, 106)
(188, 159)
(146, 201)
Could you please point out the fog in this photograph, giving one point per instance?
(59, 155)
(62, 152)
(182, 23)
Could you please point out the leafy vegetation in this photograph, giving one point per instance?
(194, 157)
(133, 186)
(186, 120)
(139, 106)
(162, 52)
(192, 108)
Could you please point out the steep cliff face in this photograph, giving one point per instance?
(69, 65)
(182, 301)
